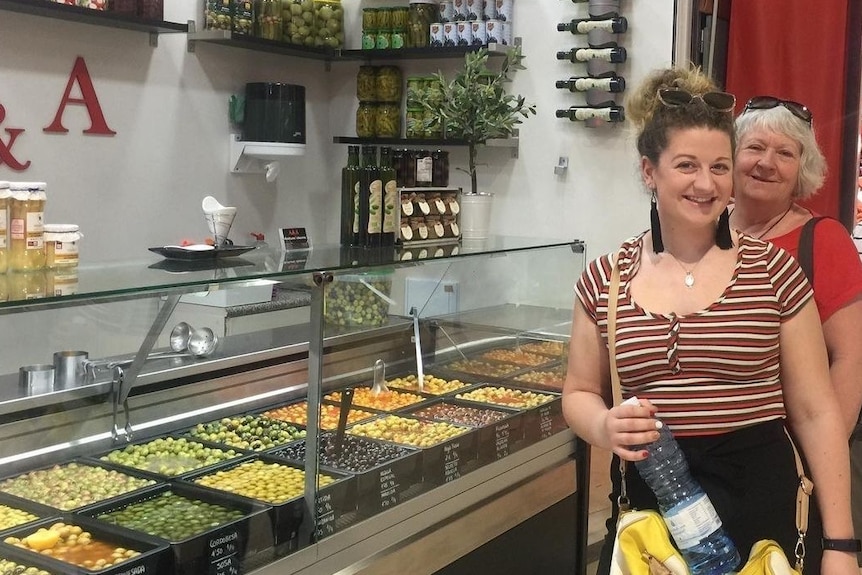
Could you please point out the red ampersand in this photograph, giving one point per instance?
(6, 156)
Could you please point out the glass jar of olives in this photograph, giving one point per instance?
(268, 19)
(388, 82)
(328, 24)
(365, 119)
(388, 121)
(242, 17)
(298, 29)
(217, 15)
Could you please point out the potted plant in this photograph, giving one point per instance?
(474, 106)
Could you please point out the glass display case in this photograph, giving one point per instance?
(423, 387)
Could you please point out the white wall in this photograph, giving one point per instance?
(143, 187)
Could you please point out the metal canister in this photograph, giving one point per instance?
(461, 10)
(436, 34)
(450, 34)
(494, 29)
(490, 11)
(447, 11)
(465, 33)
(480, 32)
(507, 33)
(475, 9)
(504, 10)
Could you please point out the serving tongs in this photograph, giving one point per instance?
(334, 448)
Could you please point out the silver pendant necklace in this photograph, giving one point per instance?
(689, 273)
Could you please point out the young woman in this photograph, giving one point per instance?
(717, 335)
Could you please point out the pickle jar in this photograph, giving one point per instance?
(365, 119)
(369, 19)
(5, 196)
(387, 123)
(217, 14)
(242, 17)
(388, 84)
(384, 18)
(298, 29)
(415, 123)
(328, 24)
(61, 246)
(415, 89)
(268, 21)
(26, 229)
(421, 16)
(366, 84)
(383, 40)
(400, 18)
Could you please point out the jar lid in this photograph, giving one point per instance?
(4, 185)
(32, 186)
(61, 228)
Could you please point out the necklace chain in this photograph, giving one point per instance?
(775, 223)
(689, 273)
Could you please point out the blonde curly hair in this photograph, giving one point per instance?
(652, 120)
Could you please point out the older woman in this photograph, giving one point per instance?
(777, 164)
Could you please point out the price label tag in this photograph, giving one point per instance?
(223, 553)
(546, 422)
(226, 566)
(451, 461)
(501, 439)
(326, 516)
(294, 239)
(388, 488)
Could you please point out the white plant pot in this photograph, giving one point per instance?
(475, 215)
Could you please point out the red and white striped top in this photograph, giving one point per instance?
(713, 371)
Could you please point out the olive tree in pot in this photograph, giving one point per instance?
(474, 106)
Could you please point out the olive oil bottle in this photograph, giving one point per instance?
(349, 201)
(370, 199)
(390, 197)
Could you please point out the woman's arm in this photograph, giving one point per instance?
(587, 393)
(844, 346)
(815, 418)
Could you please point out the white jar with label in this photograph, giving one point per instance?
(61, 245)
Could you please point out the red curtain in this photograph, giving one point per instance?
(796, 50)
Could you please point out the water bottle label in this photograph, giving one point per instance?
(692, 521)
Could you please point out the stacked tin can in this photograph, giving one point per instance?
(473, 23)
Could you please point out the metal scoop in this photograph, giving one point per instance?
(179, 339)
(379, 373)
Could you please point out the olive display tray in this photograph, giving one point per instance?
(447, 370)
(384, 485)
(80, 461)
(514, 347)
(517, 379)
(301, 424)
(40, 511)
(541, 421)
(217, 549)
(444, 461)
(161, 476)
(153, 560)
(334, 500)
(376, 410)
(494, 440)
(187, 433)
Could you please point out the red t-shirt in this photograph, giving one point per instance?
(837, 267)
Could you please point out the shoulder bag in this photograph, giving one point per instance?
(643, 545)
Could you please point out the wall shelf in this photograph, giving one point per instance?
(420, 53)
(227, 38)
(511, 143)
(95, 17)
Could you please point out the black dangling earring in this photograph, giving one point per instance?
(723, 238)
(655, 227)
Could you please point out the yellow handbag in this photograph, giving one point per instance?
(643, 545)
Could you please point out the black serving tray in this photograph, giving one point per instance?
(334, 500)
(494, 440)
(188, 434)
(358, 398)
(215, 550)
(180, 253)
(428, 392)
(85, 462)
(447, 460)
(161, 476)
(153, 560)
(302, 424)
(40, 511)
(378, 487)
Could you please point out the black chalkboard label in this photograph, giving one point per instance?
(451, 461)
(325, 515)
(501, 439)
(546, 422)
(223, 553)
(388, 488)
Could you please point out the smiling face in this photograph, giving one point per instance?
(767, 167)
(692, 179)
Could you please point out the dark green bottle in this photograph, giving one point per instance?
(390, 197)
(349, 182)
(370, 199)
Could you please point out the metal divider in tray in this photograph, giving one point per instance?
(73, 485)
(108, 543)
(499, 430)
(16, 513)
(281, 485)
(386, 473)
(543, 410)
(447, 449)
(183, 515)
(168, 456)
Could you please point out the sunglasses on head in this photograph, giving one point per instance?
(801, 111)
(674, 97)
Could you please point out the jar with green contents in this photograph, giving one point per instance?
(366, 84)
(328, 24)
(415, 120)
(434, 90)
(217, 15)
(421, 16)
(299, 29)
(415, 89)
(384, 18)
(400, 17)
(242, 17)
(388, 121)
(433, 127)
(365, 119)
(388, 84)
(369, 19)
(383, 40)
(268, 19)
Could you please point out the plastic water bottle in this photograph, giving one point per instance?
(686, 508)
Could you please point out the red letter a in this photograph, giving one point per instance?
(89, 99)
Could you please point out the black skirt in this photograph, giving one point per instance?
(750, 477)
